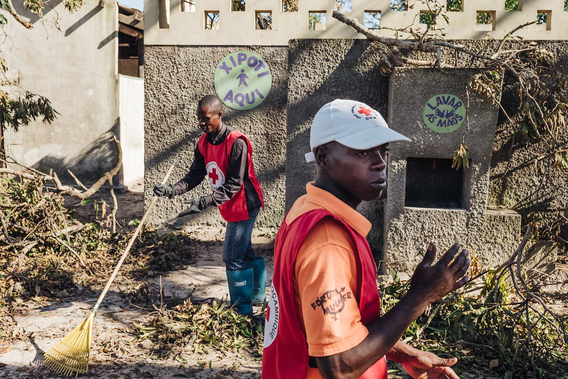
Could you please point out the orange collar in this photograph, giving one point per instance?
(326, 200)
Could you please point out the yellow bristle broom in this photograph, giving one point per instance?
(71, 355)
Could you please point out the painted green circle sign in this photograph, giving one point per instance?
(242, 80)
(444, 113)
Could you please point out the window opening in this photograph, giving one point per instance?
(317, 20)
(485, 20)
(513, 5)
(212, 20)
(372, 20)
(454, 6)
(544, 18)
(187, 5)
(291, 5)
(238, 5)
(164, 14)
(433, 183)
(263, 20)
(343, 5)
(399, 5)
(426, 18)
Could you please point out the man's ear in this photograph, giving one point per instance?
(320, 154)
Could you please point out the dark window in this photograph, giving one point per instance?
(433, 183)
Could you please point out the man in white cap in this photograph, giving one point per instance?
(323, 318)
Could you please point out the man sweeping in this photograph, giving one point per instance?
(323, 318)
(224, 155)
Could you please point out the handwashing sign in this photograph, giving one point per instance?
(444, 113)
(242, 80)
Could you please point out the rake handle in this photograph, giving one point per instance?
(130, 243)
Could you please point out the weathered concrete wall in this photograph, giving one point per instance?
(75, 68)
(493, 236)
(175, 79)
(321, 71)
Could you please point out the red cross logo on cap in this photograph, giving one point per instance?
(366, 111)
(213, 175)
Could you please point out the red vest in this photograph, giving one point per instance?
(217, 164)
(285, 347)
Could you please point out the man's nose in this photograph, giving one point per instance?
(379, 161)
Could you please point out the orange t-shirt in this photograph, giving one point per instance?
(326, 264)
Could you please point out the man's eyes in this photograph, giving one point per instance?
(362, 153)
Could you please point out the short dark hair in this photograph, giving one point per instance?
(212, 101)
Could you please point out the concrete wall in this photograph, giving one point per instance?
(492, 235)
(76, 69)
(176, 77)
(238, 28)
(131, 101)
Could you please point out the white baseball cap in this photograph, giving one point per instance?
(352, 124)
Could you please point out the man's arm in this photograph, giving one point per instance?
(235, 175)
(196, 173)
(428, 284)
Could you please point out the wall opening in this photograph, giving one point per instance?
(263, 20)
(317, 20)
(238, 5)
(544, 20)
(289, 5)
(164, 14)
(433, 183)
(399, 5)
(454, 6)
(485, 20)
(372, 20)
(514, 5)
(426, 18)
(344, 5)
(212, 20)
(187, 5)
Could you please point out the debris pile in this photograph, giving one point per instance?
(200, 326)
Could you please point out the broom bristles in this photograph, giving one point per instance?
(71, 355)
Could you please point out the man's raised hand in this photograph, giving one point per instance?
(430, 283)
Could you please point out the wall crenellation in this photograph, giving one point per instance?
(275, 22)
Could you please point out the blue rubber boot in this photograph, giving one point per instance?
(259, 269)
(240, 288)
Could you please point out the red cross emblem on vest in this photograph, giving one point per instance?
(366, 111)
(213, 176)
(216, 176)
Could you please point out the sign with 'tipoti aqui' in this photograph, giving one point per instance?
(242, 80)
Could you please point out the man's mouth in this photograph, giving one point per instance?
(380, 184)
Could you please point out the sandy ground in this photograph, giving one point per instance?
(116, 352)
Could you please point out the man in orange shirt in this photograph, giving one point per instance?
(323, 317)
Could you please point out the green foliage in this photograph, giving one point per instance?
(24, 109)
(511, 5)
(427, 18)
(484, 18)
(454, 5)
(480, 328)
